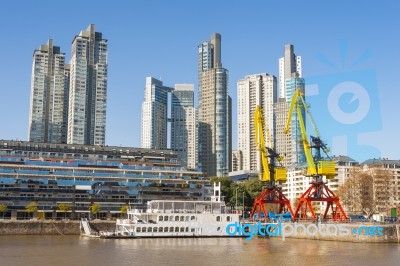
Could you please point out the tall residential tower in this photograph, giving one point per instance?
(214, 110)
(88, 89)
(183, 125)
(290, 146)
(48, 116)
(155, 115)
(255, 90)
(288, 64)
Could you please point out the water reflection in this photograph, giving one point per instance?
(73, 250)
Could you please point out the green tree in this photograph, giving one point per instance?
(95, 209)
(32, 207)
(63, 207)
(3, 209)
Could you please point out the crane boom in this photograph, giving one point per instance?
(269, 172)
(260, 143)
(316, 166)
(271, 194)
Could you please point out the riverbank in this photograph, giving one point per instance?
(50, 227)
(362, 232)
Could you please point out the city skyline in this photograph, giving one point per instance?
(336, 50)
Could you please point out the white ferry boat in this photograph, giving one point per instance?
(177, 218)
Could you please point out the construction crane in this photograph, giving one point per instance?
(270, 173)
(317, 167)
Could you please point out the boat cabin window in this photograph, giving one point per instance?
(144, 229)
(160, 218)
(171, 229)
(182, 218)
(192, 230)
(155, 229)
(187, 218)
(182, 229)
(187, 229)
(166, 229)
(228, 218)
(176, 218)
(176, 229)
(138, 229)
(218, 218)
(192, 218)
(165, 218)
(160, 229)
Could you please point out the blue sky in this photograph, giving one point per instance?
(350, 52)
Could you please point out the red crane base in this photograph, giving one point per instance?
(319, 192)
(270, 195)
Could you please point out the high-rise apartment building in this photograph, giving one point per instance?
(88, 89)
(183, 125)
(288, 64)
(283, 142)
(48, 116)
(155, 115)
(214, 115)
(255, 90)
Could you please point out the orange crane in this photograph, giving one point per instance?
(317, 167)
(270, 173)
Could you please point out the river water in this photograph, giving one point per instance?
(75, 250)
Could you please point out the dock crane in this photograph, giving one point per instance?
(317, 167)
(270, 173)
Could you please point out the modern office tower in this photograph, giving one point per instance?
(48, 116)
(288, 64)
(214, 129)
(154, 115)
(183, 125)
(88, 89)
(255, 90)
(297, 156)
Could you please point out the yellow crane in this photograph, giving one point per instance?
(270, 172)
(317, 166)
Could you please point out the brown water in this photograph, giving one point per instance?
(75, 250)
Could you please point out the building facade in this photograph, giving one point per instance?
(48, 116)
(255, 90)
(183, 125)
(214, 115)
(288, 64)
(237, 161)
(283, 142)
(88, 88)
(155, 115)
(81, 175)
